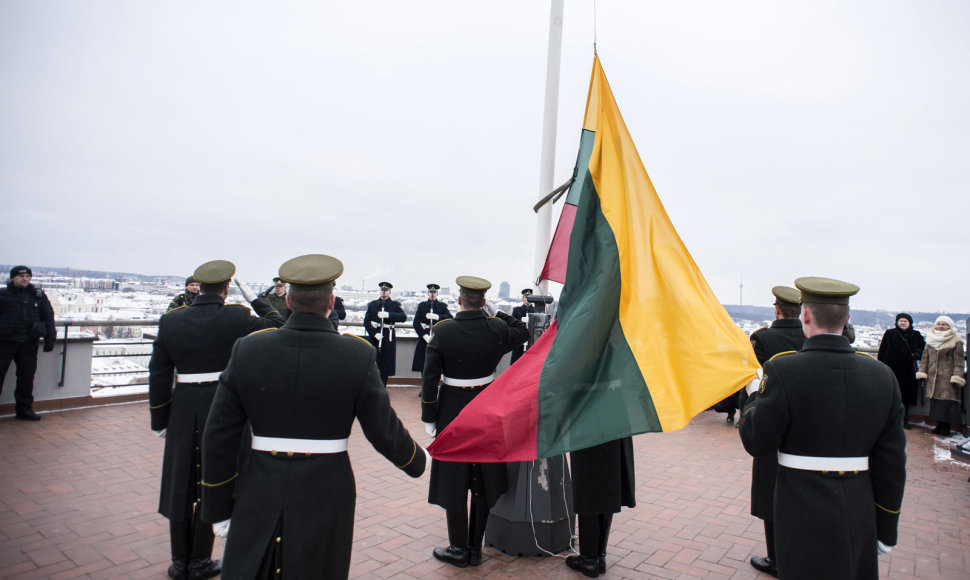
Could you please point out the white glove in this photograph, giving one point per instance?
(383, 314)
(433, 316)
(221, 529)
(427, 338)
(430, 429)
(490, 309)
(247, 292)
(883, 549)
(752, 386)
(427, 457)
(160, 433)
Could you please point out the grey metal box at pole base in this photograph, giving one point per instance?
(534, 517)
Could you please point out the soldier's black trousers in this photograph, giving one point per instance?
(594, 534)
(24, 355)
(464, 531)
(191, 539)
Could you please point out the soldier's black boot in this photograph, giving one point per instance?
(766, 565)
(178, 569)
(204, 568)
(476, 531)
(588, 561)
(180, 535)
(605, 520)
(458, 536)
(457, 557)
(589, 566)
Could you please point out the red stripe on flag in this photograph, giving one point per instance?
(558, 256)
(501, 423)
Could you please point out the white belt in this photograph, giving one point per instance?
(198, 377)
(468, 382)
(281, 444)
(823, 463)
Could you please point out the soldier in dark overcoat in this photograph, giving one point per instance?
(429, 313)
(462, 356)
(784, 335)
(185, 298)
(603, 482)
(289, 511)
(193, 346)
(520, 312)
(835, 419)
(379, 322)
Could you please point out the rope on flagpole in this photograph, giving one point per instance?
(594, 28)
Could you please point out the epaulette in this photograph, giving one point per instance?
(178, 308)
(759, 330)
(866, 354)
(360, 338)
(782, 353)
(443, 321)
(262, 330)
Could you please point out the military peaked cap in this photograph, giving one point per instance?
(214, 272)
(786, 294)
(385, 285)
(526, 291)
(311, 270)
(825, 290)
(434, 287)
(473, 283)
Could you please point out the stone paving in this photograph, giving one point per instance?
(79, 491)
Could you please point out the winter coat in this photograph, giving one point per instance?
(943, 370)
(899, 350)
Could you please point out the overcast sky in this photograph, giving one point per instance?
(785, 139)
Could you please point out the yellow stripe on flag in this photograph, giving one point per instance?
(690, 352)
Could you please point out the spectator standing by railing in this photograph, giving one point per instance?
(942, 367)
(25, 316)
(900, 349)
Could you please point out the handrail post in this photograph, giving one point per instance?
(60, 383)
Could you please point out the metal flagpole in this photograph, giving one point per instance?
(547, 164)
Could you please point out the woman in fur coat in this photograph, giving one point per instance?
(900, 349)
(942, 367)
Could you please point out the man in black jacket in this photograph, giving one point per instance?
(784, 335)
(25, 316)
(835, 419)
(193, 346)
(379, 322)
(463, 355)
(301, 387)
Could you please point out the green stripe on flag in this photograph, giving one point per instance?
(591, 389)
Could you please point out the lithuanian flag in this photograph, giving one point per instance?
(640, 343)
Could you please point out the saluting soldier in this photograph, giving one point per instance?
(185, 298)
(835, 419)
(291, 514)
(430, 312)
(192, 348)
(276, 296)
(784, 335)
(379, 324)
(462, 355)
(521, 312)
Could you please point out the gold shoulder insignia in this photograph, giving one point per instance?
(443, 321)
(360, 338)
(178, 308)
(760, 329)
(866, 354)
(782, 354)
(262, 330)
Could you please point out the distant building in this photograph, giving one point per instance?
(503, 290)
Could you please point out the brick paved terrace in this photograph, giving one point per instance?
(79, 491)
